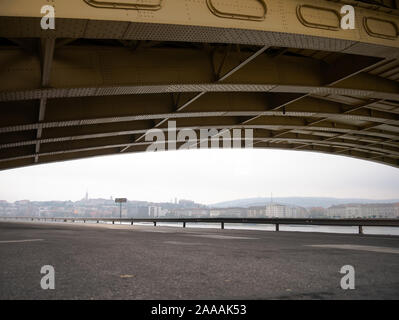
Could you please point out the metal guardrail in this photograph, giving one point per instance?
(360, 223)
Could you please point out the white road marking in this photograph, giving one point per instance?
(184, 243)
(357, 247)
(17, 241)
(211, 236)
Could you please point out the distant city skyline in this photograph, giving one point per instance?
(106, 208)
(204, 176)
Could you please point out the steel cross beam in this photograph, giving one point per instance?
(336, 81)
(326, 147)
(367, 104)
(366, 145)
(344, 134)
(331, 84)
(260, 135)
(47, 55)
(267, 133)
(371, 144)
(333, 80)
(197, 96)
(313, 108)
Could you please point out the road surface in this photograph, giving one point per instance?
(144, 262)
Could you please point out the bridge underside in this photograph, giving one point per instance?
(94, 86)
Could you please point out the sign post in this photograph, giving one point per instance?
(120, 201)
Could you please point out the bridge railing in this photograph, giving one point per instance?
(360, 223)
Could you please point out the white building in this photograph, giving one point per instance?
(156, 212)
(275, 210)
(374, 210)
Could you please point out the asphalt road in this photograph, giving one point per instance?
(145, 262)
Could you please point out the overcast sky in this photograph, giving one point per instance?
(206, 176)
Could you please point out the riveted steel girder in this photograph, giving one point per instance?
(109, 73)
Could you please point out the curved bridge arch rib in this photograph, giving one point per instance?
(106, 74)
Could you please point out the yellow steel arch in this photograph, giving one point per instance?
(111, 70)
